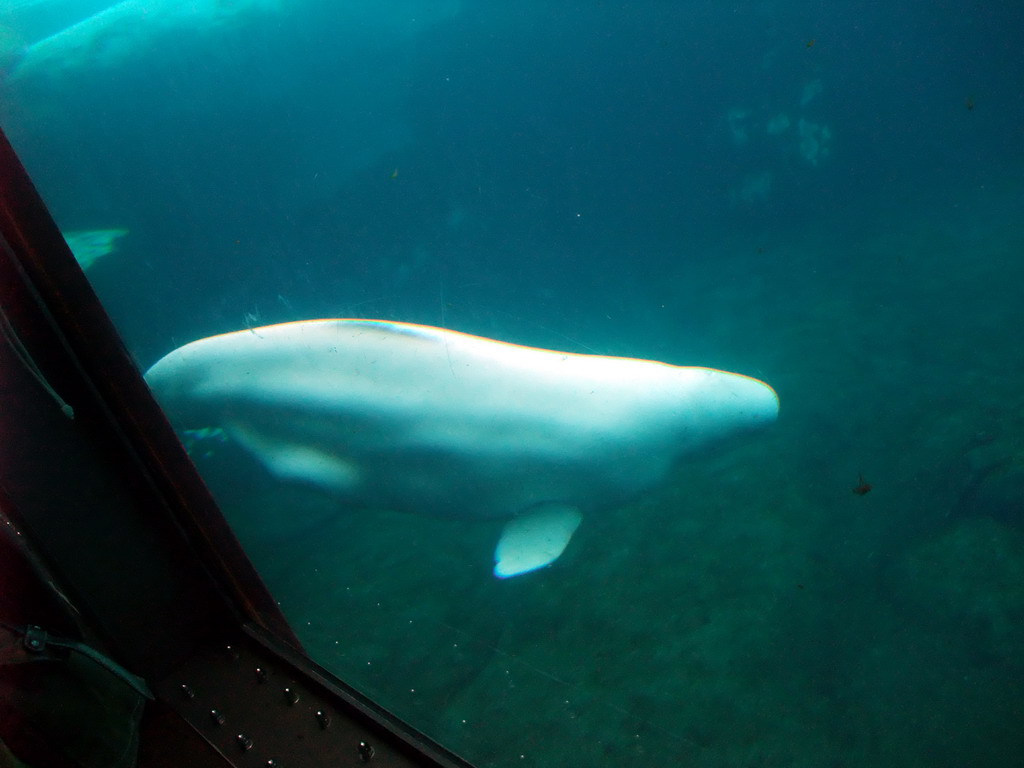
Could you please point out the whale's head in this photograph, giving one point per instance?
(716, 404)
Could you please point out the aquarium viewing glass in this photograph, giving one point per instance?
(825, 197)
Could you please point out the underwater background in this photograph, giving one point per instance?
(826, 196)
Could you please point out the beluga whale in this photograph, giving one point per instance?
(392, 415)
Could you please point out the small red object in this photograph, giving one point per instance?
(862, 487)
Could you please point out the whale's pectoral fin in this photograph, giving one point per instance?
(534, 539)
(295, 461)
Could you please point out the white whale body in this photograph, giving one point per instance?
(431, 421)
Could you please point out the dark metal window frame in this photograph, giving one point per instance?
(114, 507)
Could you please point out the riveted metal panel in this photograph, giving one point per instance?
(258, 708)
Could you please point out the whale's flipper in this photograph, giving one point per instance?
(534, 539)
(291, 460)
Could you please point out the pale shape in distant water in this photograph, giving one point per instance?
(754, 187)
(814, 141)
(810, 92)
(112, 36)
(736, 118)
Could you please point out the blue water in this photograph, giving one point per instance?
(827, 196)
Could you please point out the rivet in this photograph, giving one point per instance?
(323, 718)
(35, 638)
(292, 697)
(216, 717)
(365, 752)
(231, 652)
(244, 742)
(187, 691)
(261, 675)
(272, 763)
